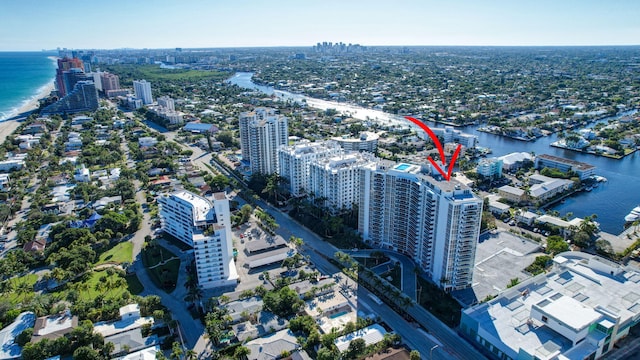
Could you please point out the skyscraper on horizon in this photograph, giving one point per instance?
(262, 132)
(436, 223)
(142, 89)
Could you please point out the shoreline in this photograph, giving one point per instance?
(9, 125)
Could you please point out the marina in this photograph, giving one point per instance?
(610, 201)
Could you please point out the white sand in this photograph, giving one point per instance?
(10, 125)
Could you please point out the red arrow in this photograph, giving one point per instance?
(435, 140)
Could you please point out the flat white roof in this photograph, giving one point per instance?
(371, 335)
(579, 291)
(201, 205)
(8, 348)
(571, 312)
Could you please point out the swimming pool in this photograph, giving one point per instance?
(337, 315)
(403, 167)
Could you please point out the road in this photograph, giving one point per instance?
(190, 329)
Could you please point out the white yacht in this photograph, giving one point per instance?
(633, 215)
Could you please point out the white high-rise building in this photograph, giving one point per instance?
(206, 226)
(142, 89)
(337, 179)
(262, 132)
(437, 223)
(295, 161)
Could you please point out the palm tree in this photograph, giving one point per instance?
(176, 351)
(241, 353)
(191, 355)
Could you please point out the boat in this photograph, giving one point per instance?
(633, 215)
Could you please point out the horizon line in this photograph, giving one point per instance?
(311, 46)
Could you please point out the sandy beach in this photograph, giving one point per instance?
(10, 125)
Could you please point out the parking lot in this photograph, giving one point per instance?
(500, 257)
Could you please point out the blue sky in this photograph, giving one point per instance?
(45, 24)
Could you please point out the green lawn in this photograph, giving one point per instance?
(98, 283)
(118, 254)
(22, 287)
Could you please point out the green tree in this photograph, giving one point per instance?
(176, 351)
(556, 245)
(414, 355)
(241, 352)
(86, 353)
(356, 348)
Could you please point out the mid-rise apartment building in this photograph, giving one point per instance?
(295, 162)
(206, 226)
(166, 102)
(337, 179)
(583, 170)
(367, 141)
(437, 223)
(490, 168)
(262, 132)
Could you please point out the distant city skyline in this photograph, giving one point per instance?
(200, 24)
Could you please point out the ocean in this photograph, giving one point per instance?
(23, 75)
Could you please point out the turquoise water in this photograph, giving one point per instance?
(337, 315)
(403, 167)
(22, 77)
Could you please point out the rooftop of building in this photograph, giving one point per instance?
(8, 348)
(54, 326)
(574, 164)
(537, 190)
(272, 346)
(265, 242)
(371, 335)
(132, 340)
(250, 305)
(581, 290)
(516, 157)
(116, 327)
(511, 190)
(201, 205)
(364, 136)
(324, 303)
(144, 354)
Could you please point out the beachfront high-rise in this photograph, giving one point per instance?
(294, 162)
(436, 223)
(262, 132)
(206, 226)
(83, 97)
(142, 89)
(66, 64)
